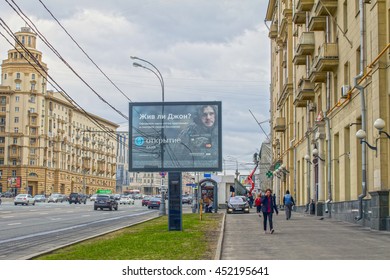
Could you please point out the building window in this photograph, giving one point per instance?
(16, 129)
(16, 109)
(17, 98)
(32, 161)
(3, 100)
(1, 161)
(15, 140)
(1, 150)
(1, 173)
(14, 162)
(17, 86)
(17, 75)
(33, 76)
(13, 173)
(2, 139)
(5, 76)
(3, 109)
(16, 119)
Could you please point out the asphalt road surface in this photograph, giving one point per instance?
(27, 231)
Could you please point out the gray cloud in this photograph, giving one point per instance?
(206, 50)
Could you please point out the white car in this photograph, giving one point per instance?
(24, 199)
(126, 200)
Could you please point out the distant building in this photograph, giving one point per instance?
(48, 145)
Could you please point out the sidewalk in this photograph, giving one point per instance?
(304, 237)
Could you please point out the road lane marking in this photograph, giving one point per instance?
(6, 217)
(13, 224)
(55, 219)
(71, 227)
(85, 215)
(43, 213)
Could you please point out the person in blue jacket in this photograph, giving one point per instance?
(268, 207)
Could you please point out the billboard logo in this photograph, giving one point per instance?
(139, 141)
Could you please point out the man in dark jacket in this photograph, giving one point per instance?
(268, 206)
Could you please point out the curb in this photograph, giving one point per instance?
(218, 251)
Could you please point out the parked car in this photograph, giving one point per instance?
(145, 200)
(77, 198)
(126, 199)
(154, 202)
(93, 197)
(40, 198)
(186, 199)
(55, 197)
(105, 201)
(24, 199)
(237, 204)
(8, 194)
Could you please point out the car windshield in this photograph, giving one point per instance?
(22, 195)
(236, 199)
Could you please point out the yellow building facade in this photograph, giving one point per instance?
(47, 145)
(329, 84)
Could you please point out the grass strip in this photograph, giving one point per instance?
(150, 241)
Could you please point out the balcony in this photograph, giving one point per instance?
(304, 47)
(287, 90)
(328, 58)
(305, 90)
(273, 31)
(317, 76)
(299, 17)
(317, 23)
(305, 5)
(280, 124)
(323, 8)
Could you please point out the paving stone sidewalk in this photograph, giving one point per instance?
(304, 237)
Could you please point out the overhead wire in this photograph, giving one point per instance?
(30, 24)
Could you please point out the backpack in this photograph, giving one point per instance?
(258, 201)
(287, 199)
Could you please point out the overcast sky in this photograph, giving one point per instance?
(206, 50)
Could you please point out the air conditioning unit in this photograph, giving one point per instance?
(312, 106)
(344, 91)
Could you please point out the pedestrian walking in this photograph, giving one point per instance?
(250, 200)
(268, 207)
(258, 204)
(288, 203)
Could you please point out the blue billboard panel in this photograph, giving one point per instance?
(175, 136)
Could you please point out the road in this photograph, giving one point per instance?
(26, 231)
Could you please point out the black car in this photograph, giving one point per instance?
(77, 198)
(105, 201)
(237, 204)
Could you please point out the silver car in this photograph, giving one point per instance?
(56, 197)
(24, 199)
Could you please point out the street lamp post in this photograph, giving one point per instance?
(157, 73)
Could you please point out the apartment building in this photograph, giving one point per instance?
(330, 107)
(48, 145)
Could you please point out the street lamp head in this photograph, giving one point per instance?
(379, 124)
(315, 152)
(135, 64)
(133, 57)
(307, 157)
(361, 134)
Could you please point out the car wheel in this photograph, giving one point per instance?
(110, 208)
(95, 208)
(34, 204)
(116, 208)
(15, 203)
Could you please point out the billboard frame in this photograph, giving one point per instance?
(162, 168)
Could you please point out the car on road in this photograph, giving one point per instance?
(24, 199)
(126, 199)
(105, 201)
(55, 197)
(8, 195)
(77, 198)
(186, 199)
(237, 204)
(145, 200)
(154, 202)
(40, 198)
(93, 197)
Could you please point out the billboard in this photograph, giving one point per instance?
(14, 182)
(175, 136)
